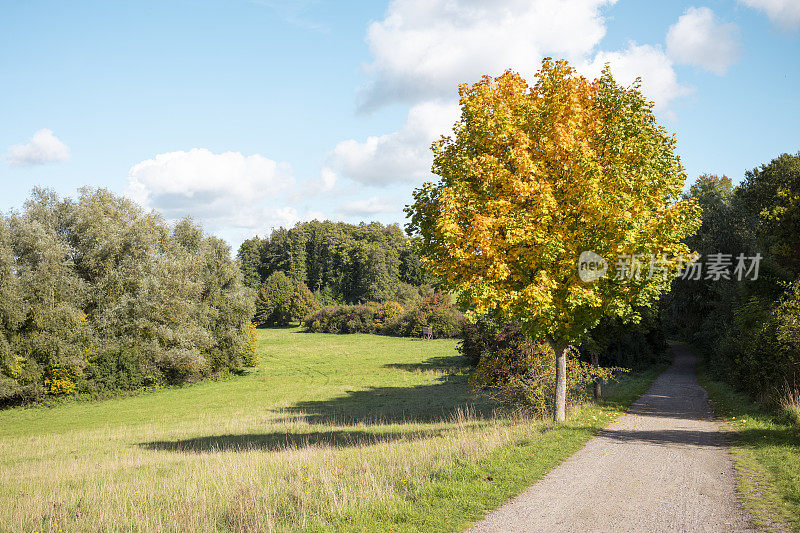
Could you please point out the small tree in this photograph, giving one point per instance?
(274, 300)
(535, 175)
(302, 303)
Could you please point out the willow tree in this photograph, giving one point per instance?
(533, 176)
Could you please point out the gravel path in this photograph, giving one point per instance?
(663, 466)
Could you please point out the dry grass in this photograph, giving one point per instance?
(250, 475)
(790, 404)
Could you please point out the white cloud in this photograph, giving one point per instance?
(370, 207)
(327, 179)
(227, 190)
(44, 147)
(783, 13)
(659, 81)
(402, 156)
(423, 49)
(700, 39)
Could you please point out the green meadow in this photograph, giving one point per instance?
(330, 432)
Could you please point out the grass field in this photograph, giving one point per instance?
(348, 432)
(766, 453)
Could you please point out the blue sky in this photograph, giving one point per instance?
(249, 115)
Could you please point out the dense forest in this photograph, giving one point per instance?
(97, 295)
(338, 262)
(747, 329)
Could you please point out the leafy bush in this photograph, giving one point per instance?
(519, 371)
(273, 304)
(760, 354)
(435, 311)
(386, 312)
(98, 295)
(343, 319)
(114, 369)
(303, 303)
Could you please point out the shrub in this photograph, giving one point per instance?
(163, 303)
(112, 369)
(250, 357)
(302, 303)
(343, 319)
(518, 371)
(435, 311)
(408, 295)
(386, 312)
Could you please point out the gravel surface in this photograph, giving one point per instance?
(663, 466)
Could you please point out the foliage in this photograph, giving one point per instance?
(518, 370)
(407, 294)
(746, 329)
(343, 319)
(633, 346)
(97, 295)
(772, 194)
(386, 312)
(274, 301)
(340, 263)
(302, 303)
(436, 311)
(535, 175)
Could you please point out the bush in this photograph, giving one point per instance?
(632, 346)
(386, 312)
(519, 371)
(343, 319)
(435, 311)
(114, 369)
(388, 318)
(98, 295)
(302, 303)
(273, 304)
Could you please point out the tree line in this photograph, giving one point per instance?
(97, 295)
(748, 329)
(339, 263)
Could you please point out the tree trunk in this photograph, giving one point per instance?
(598, 387)
(561, 382)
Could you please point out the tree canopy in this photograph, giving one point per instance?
(339, 262)
(96, 294)
(532, 176)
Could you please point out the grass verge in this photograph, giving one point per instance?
(766, 452)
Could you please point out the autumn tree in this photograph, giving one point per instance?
(534, 175)
(302, 303)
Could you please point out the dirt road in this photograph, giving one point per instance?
(663, 466)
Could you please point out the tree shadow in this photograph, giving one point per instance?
(450, 364)
(431, 403)
(668, 437)
(279, 440)
(755, 438)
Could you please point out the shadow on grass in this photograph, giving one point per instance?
(391, 405)
(436, 402)
(451, 365)
(276, 441)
